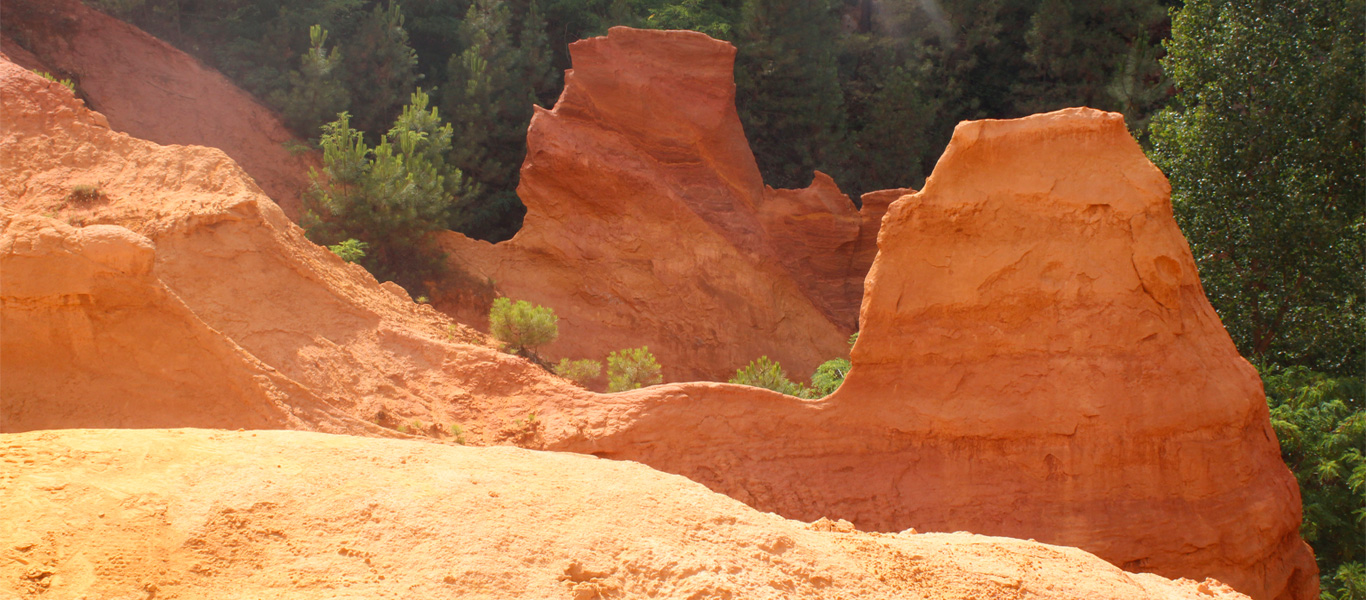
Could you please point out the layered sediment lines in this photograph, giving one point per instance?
(157, 286)
(150, 90)
(227, 515)
(648, 222)
(1037, 358)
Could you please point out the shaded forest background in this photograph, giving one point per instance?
(1253, 109)
(866, 91)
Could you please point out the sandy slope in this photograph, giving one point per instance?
(242, 515)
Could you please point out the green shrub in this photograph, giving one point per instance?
(458, 433)
(65, 82)
(632, 368)
(829, 376)
(350, 250)
(579, 371)
(1320, 421)
(522, 325)
(768, 374)
(85, 194)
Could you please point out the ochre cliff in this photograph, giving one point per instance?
(284, 514)
(189, 299)
(1037, 360)
(150, 90)
(648, 222)
(1037, 357)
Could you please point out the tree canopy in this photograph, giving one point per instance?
(1263, 144)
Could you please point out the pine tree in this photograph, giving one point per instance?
(534, 45)
(391, 197)
(787, 88)
(381, 69)
(316, 91)
(711, 17)
(1099, 53)
(489, 97)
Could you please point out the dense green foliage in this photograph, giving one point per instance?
(1320, 422)
(489, 92)
(829, 377)
(768, 374)
(392, 196)
(521, 325)
(866, 91)
(316, 93)
(1263, 144)
(351, 250)
(582, 371)
(632, 368)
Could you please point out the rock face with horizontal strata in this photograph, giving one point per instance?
(648, 222)
(1037, 360)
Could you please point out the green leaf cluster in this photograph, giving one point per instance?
(521, 325)
(491, 88)
(317, 92)
(582, 371)
(66, 82)
(768, 374)
(829, 377)
(351, 250)
(632, 368)
(1320, 421)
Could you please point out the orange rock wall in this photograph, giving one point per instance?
(648, 222)
(219, 514)
(150, 90)
(182, 296)
(1037, 360)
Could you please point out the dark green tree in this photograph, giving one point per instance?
(316, 92)
(391, 197)
(1263, 145)
(787, 88)
(896, 118)
(712, 17)
(537, 58)
(490, 99)
(381, 70)
(433, 28)
(1320, 422)
(1097, 53)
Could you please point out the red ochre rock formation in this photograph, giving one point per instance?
(648, 222)
(150, 90)
(1038, 359)
(205, 514)
(189, 299)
